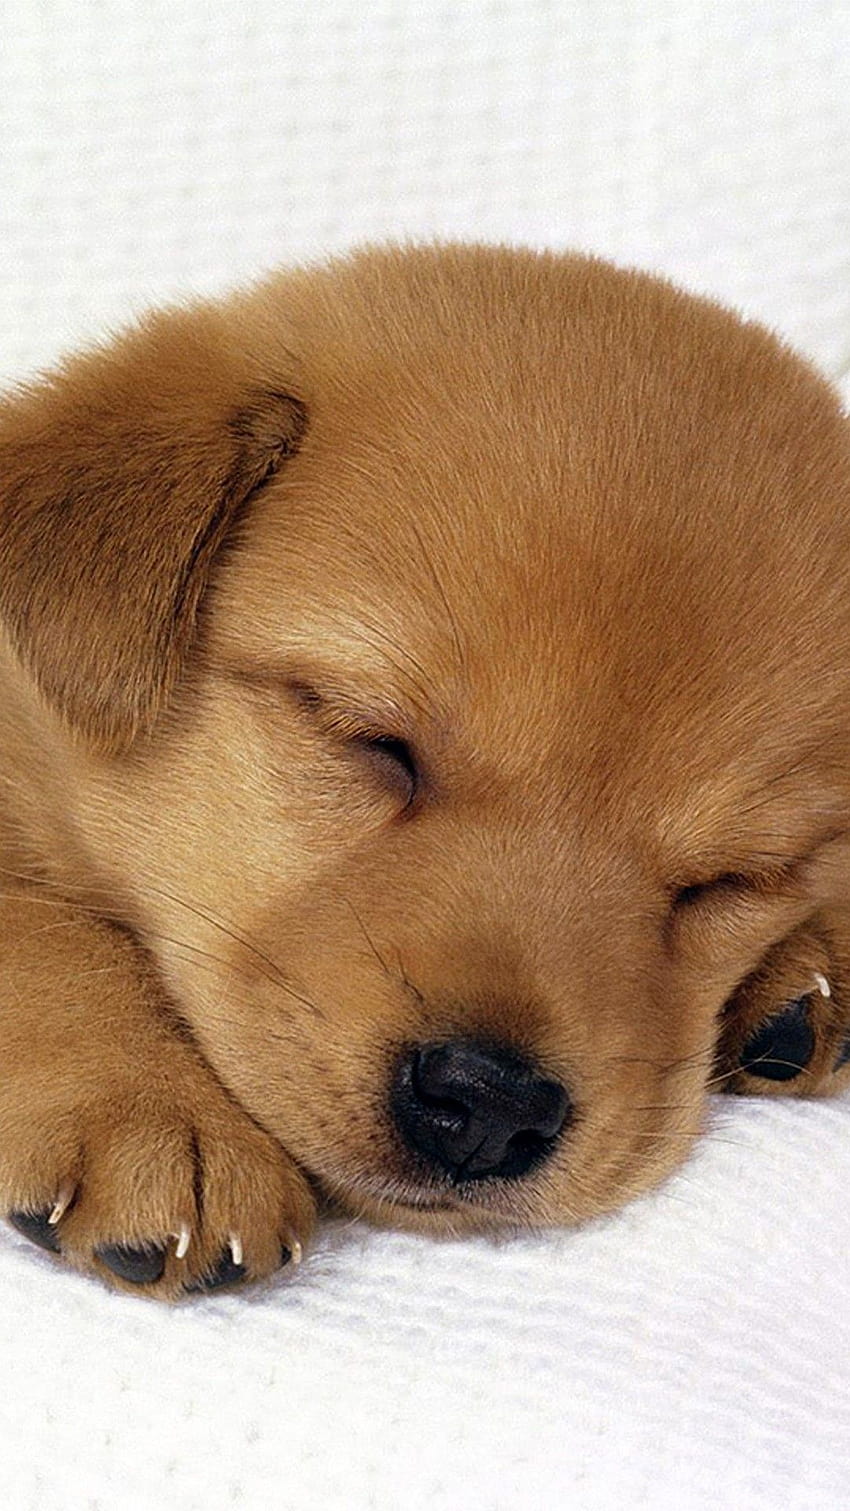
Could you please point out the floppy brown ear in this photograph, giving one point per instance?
(120, 475)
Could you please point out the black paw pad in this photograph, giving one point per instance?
(139, 1266)
(783, 1046)
(226, 1272)
(36, 1227)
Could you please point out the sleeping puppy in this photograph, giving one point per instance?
(425, 756)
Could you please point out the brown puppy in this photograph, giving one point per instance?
(425, 755)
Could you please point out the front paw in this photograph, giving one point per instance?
(786, 1031)
(150, 1176)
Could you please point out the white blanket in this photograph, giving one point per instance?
(695, 1350)
(691, 1352)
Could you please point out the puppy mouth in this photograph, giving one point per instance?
(422, 1206)
(414, 1201)
(406, 1198)
(426, 1202)
(428, 1210)
(457, 1211)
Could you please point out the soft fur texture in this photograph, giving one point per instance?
(441, 644)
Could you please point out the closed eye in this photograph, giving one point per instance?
(766, 878)
(737, 886)
(396, 760)
(391, 755)
(727, 884)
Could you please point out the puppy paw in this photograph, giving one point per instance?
(157, 1182)
(786, 1031)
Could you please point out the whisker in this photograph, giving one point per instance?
(411, 987)
(721, 1077)
(218, 923)
(371, 943)
(274, 975)
(750, 1065)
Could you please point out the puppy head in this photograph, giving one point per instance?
(458, 684)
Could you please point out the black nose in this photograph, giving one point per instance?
(475, 1110)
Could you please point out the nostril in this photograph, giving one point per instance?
(475, 1110)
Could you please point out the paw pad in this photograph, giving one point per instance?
(37, 1228)
(142, 1266)
(228, 1271)
(783, 1045)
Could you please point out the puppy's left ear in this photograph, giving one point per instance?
(120, 476)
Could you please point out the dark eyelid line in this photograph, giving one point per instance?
(361, 728)
(340, 716)
(778, 871)
(329, 701)
(727, 884)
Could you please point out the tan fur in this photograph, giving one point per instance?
(580, 539)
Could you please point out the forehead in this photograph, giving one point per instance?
(598, 508)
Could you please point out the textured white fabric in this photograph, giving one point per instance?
(692, 1351)
(688, 1353)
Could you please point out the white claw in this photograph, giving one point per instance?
(296, 1253)
(236, 1248)
(61, 1205)
(182, 1241)
(822, 984)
